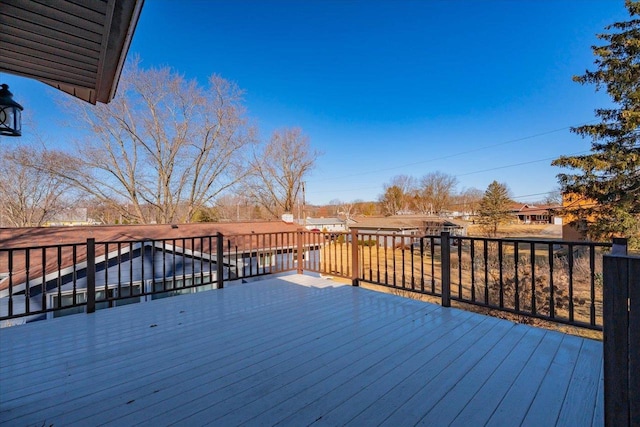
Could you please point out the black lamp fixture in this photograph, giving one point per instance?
(10, 114)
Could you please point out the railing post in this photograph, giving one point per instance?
(445, 268)
(634, 341)
(220, 260)
(355, 260)
(300, 246)
(619, 246)
(621, 327)
(91, 275)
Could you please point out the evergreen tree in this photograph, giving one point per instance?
(495, 207)
(609, 177)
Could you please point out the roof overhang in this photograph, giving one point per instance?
(76, 46)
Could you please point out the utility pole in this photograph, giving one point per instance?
(304, 215)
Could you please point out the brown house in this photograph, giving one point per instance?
(536, 214)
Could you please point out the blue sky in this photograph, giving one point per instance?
(481, 90)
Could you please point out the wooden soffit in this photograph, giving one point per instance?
(76, 46)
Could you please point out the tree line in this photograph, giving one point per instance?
(165, 150)
(433, 194)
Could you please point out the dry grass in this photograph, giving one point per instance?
(536, 231)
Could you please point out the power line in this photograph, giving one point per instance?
(518, 164)
(449, 156)
(464, 174)
(514, 198)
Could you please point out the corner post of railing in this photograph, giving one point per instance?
(355, 260)
(619, 246)
(621, 336)
(300, 250)
(91, 275)
(220, 260)
(445, 265)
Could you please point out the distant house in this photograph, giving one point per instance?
(399, 224)
(325, 224)
(410, 226)
(465, 215)
(536, 214)
(435, 226)
(71, 217)
(135, 259)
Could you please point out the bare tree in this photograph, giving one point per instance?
(398, 195)
(468, 201)
(435, 192)
(233, 207)
(279, 171)
(346, 209)
(334, 206)
(367, 208)
(349, 209)
(103, 213)
(553, 198)
(392, 200)
(29, 194)
(163, 148)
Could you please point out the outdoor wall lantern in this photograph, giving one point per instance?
(10, 114)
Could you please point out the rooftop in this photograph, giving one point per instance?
(295, 350)
(185, 236)
(404, 222)
(27, 236)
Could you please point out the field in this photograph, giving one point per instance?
(535, 231)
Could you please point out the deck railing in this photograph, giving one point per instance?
(552, 280)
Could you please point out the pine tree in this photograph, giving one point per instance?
(494, 207)
(609, 177)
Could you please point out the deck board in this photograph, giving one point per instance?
(546, 406)
(454, 347)
(578, 407)
(354, 371)
(444, 406)
(247, 394)
(135, 354)
(347, 400)
(442, 377)
(524, 388)
(295, 350)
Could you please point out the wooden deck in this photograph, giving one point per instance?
(295, 350)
